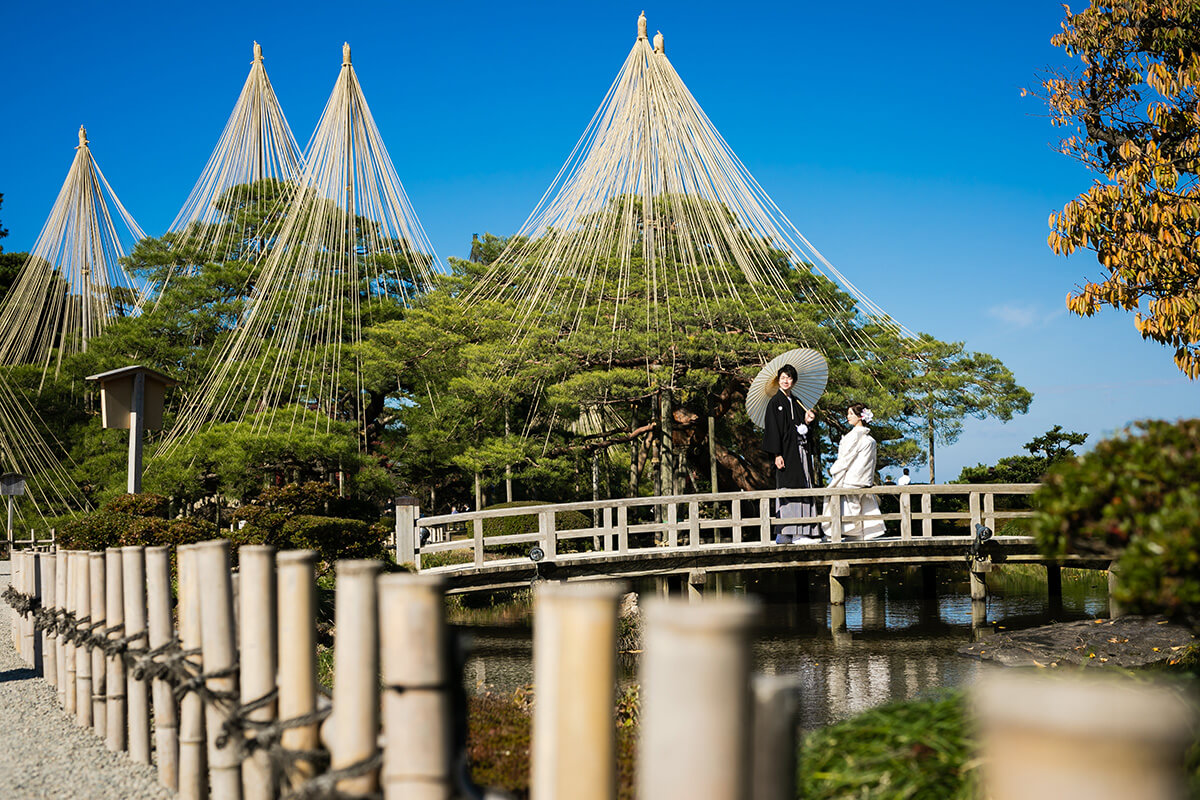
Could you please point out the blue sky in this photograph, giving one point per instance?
(893, 135)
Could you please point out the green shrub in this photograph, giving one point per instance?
(528, 523)
(915, 748)
(128, 521)
(1136, 499)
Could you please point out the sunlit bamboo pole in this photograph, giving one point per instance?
(257, 635)
(220, 656)
(575, 673)
(133, 569)
(356, 671)
(417, 725)
(30, 642)
(773, 738)
(1044, 738)
(99, 607)
(298, 650)
(69, 650)
(695, 715)
(14, 577)
(83, 653)
(193, 781)
(61, 570)
(49, 602)
(114, 607)
(161, 631)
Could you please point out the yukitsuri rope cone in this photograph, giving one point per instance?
(256, 160)
(73, 284)
(49, 490)
(349, 252)
(651, 207)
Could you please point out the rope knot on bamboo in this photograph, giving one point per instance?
(24, 604)
(324, 787)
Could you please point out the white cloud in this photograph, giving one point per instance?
(1023, 316)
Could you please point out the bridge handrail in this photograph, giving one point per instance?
(611, 526)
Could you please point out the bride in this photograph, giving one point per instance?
(854, 469)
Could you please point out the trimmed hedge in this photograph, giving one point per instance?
(131, 520)
(528, 523)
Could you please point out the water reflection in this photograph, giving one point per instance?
(888, 642)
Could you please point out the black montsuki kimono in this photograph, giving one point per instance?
(787, 435)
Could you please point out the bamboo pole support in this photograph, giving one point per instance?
(99, 607)
(31, 577)
(69, 651)
(417, 724)
(137, 693)
(695, 720)
(14, 577)
(49, 637)
(773, 738)
(114, 607)
(161, 631)
(1099, 738)
(61, 559)
(258, 642)
(356, 673)
(193, 782)
(220, 656)
(298, 651)
(83, 653)
(574, 673)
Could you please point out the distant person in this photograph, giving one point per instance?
(905, 480)
(788, 432)
(855, 469)
(889, 481)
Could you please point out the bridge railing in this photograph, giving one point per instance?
(621, 526)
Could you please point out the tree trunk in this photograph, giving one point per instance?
(932, 479)
(668, 445)
(712, 453)
(508, 496)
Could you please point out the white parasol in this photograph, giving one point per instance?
(812, 373)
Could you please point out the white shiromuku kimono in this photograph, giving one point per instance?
(855, 468)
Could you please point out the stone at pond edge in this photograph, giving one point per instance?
(1130, 641)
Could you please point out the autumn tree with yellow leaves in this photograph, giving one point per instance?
(1132, 114)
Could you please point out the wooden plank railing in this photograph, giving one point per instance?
(690, 522)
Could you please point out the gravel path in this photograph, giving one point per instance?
(43, 754)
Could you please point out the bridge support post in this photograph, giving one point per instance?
(929, 581)
(1114, 579)
(979, 571)
(1054, 588)
(662, 586)
(838, 573)
(803, 586)
(695, 585)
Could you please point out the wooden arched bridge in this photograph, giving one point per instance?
(694, 535)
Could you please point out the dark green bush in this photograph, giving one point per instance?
(528, 523)
(131, 520)
(1136, 499)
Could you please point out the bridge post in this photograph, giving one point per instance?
(696, 579)
(574, 741)
(404, 539)
(838, 572)
(1054, 587)
(547, 532)
(1114, 608)
(979, 571)
(929, 581)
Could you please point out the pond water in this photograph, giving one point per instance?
(888, 642)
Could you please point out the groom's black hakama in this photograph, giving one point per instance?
(787, 435)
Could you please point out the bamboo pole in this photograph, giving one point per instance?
(220, 655)
(133, 569)
(258, 638)
(575, 672)
(161, 632)
(695, 738)
(114, 607)
(100, 618)
(193, 783)
(60, 646)
(49, 637)
(83, 653)
(356, 673)
(1103, 738)
(32, 643)
(417, 723)
(14, 577)
(298, 651)
(773, 738)
(69, 651)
